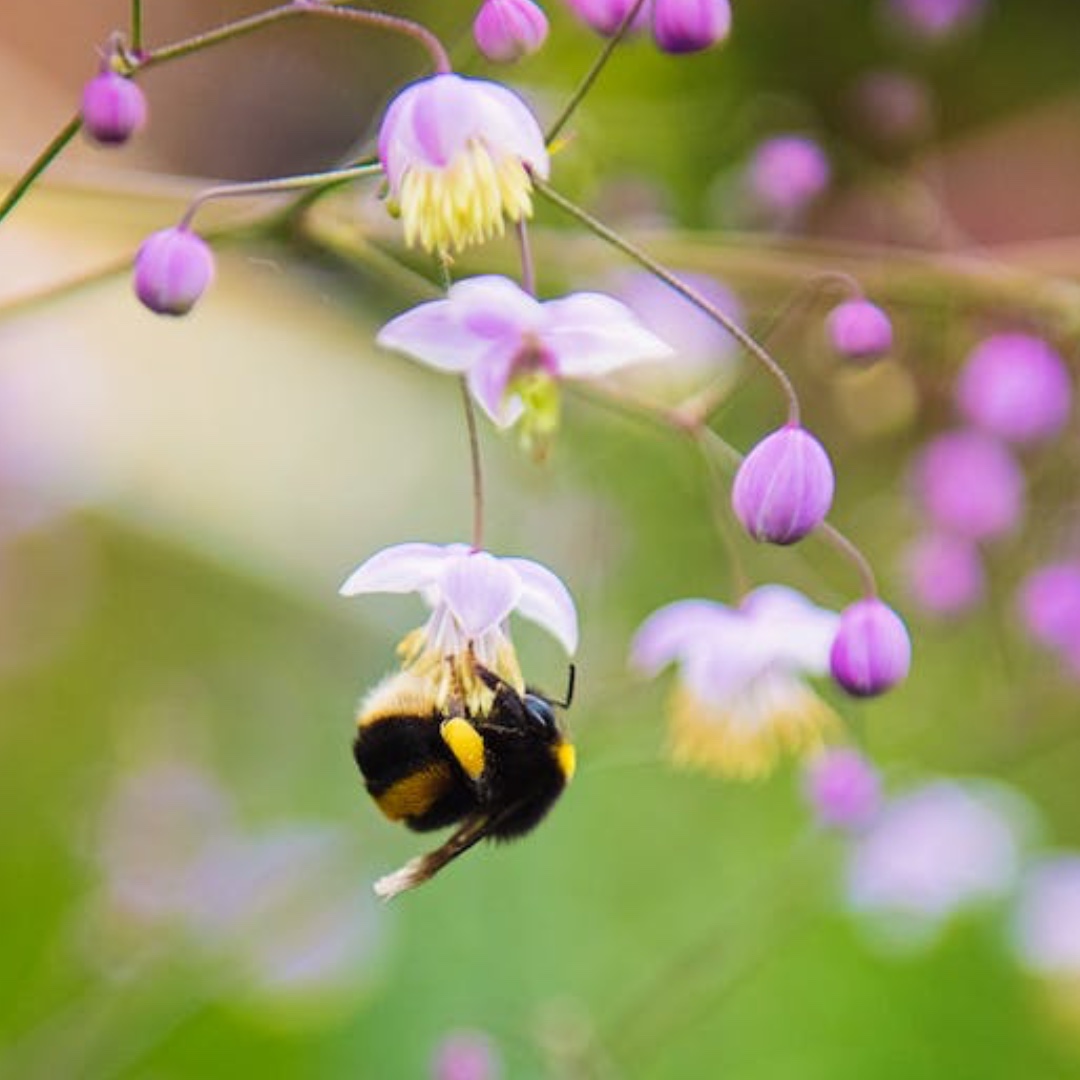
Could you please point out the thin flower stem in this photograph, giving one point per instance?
(334, 9)
(740, 582)
(807, 292)
(755, 348)
(832, 535)
(136, 26)
(285, 183)
(593, 73)
(40, 164)
(477, 471)
(528, 269)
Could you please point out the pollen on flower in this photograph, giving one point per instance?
(465, 203)
(747, 737)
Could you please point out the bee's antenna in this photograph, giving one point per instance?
(571, 682)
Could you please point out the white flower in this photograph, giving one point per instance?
(741, 701)
(471, 595)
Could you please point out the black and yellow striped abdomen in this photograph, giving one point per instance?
(410, 772)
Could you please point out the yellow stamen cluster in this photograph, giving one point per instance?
(451, 678)
(725, 742)
(464, 203)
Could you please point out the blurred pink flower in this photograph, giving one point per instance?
(788, 172)
(1047, 922)
(944, 574)
(969, 485)
(933, 852)
(843, 788)
(1015, 386)
(466, 1055)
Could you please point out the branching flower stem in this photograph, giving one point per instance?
(135, 60)
(285, 183)
(750, 344)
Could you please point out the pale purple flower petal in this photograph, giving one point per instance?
(432, 333)
(488, 379)
(933, 851)
(589, 335)
(800, 633)
(545, 600)
(1047, 932)
(399, 569)
(673, 631)
(479, 590)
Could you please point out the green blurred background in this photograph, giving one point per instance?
(180, 500)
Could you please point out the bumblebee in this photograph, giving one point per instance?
(496, 774)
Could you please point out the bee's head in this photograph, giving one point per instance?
(541, 711)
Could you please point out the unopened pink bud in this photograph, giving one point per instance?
(687, 26)
(872, 650)
(860, 330)
(784, 487)
(1015, 386)
(507, 30)
(113, 109)
(172, 270)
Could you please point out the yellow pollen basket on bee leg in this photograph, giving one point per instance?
(466, 744)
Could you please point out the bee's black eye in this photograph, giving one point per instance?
(541, 711)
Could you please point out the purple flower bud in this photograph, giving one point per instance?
(687, 26)
(172, 270)
(944, 574)
(507, 30)
(843, 788)
(113, 109)
(784, 487)
(788, 172)
(606, 16)
(859, 330)
(969, 485)
(1016, 387)
(1050, 604)
(872, 650)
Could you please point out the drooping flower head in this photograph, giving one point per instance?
(455, 152)
(688, 26)
(741, 702)
(513, 349)
(471, 595)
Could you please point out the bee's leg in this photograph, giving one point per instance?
(424, 867)
(466, 744)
